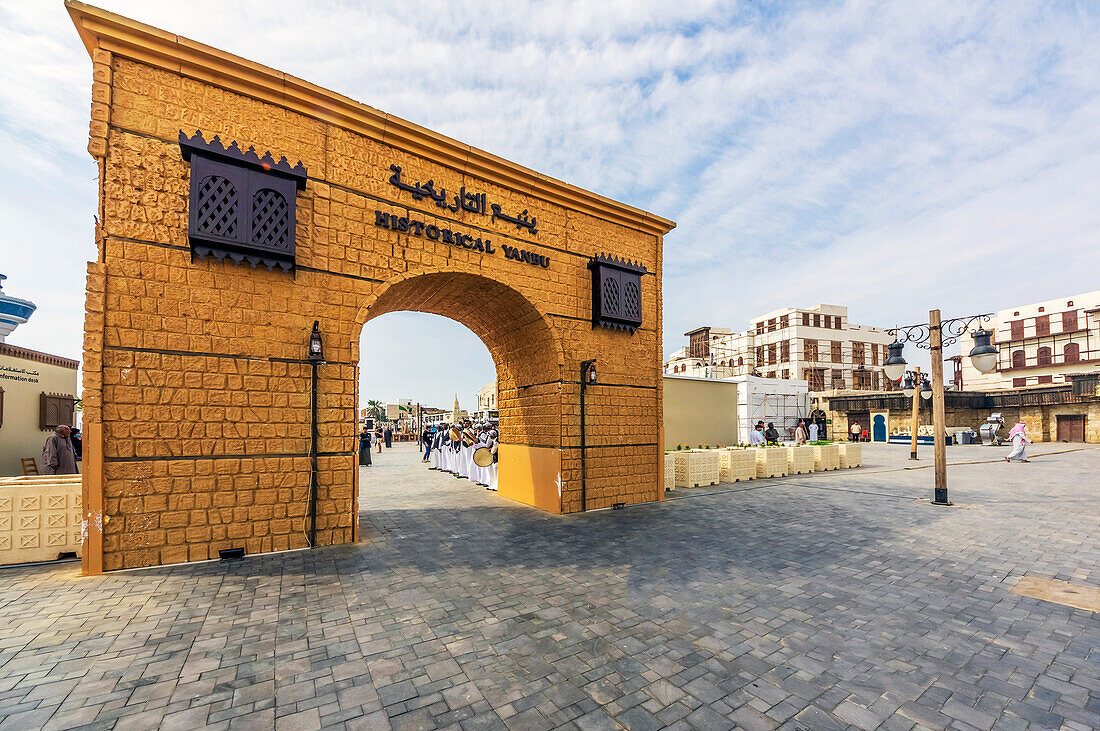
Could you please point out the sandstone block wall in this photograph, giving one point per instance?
(195, 374)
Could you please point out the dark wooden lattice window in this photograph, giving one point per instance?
(1044, 356)
(55, 409)
(1069, 321)
(1042, 325)
(219, 207)
(242, 205)
(270, 219)
(1016, 327)
(1071, 353)
(1019, 360)
(616, 293)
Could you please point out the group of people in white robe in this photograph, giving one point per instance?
(457, 456)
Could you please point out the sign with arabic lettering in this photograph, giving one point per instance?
(465, 201)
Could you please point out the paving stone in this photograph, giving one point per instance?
(772, 605)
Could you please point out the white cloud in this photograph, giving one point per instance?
(806, 151)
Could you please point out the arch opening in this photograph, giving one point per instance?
(529, 370)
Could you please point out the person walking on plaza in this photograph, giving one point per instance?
(800, 432)
(364, 447)
(426, 442)
(58, 457)
(389, 436)
(856, 431)
(813, 431)
(1018, 435)
(377, 439)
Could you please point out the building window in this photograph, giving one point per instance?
(55, 409)
(817, 320)
(784, 321)
(836, 352)
(759, 355)
(1045, 379)
(1069, 321)
(809, 350)
(875, 380)
(838, 379)
(785, 351)
(816, 378)
(1019, 382)
(1044, 356)
(771, 354)
(786, 373)
(874, 353)
(771, 325)
(1071, 353)
(760, 327)
(862, 380)
(1019, 359)
(1042, 325)
(857, 354)
(806, 319)
(740, 361)
(771, 374)
(1017, 329)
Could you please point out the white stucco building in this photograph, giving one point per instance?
(1041, 343)
(816, 344)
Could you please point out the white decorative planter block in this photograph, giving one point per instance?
(39, 518)
(826, 457)
(771, 461)
(670, 471)
(851, 455)
(800, 460)
(696, 467)
(736, 465)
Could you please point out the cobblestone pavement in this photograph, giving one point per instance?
(814, 602)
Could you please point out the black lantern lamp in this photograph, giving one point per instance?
(926, 390)
(907, 387)
(589, 376)
(984, 354)
(895, 363)
(316, 347)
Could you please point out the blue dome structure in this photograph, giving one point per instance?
(13, 311)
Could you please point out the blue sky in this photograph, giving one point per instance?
(890, 157)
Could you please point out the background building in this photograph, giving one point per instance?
(37, 392)
(816, 344)
(1042, 344)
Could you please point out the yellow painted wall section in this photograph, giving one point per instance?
(699, 411)
(531, 475)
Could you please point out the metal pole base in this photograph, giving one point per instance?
(912, 455)
(941, 497)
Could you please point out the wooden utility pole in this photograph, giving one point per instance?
(939, 419)
(916, 413)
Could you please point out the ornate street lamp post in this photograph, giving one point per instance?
(316, 356)
(983, 356)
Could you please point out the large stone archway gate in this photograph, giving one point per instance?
(214, 261)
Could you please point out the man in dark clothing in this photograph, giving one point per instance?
(364, 447)
(389, 436)
(771, 434)
(58, 457)
(426, 443)
(77, 440)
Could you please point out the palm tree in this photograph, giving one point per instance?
(376, 409)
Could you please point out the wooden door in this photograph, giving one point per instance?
(1071, 428)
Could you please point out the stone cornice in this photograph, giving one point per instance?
(146, 44)
(38, 357)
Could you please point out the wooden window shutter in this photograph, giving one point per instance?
(54, 409)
